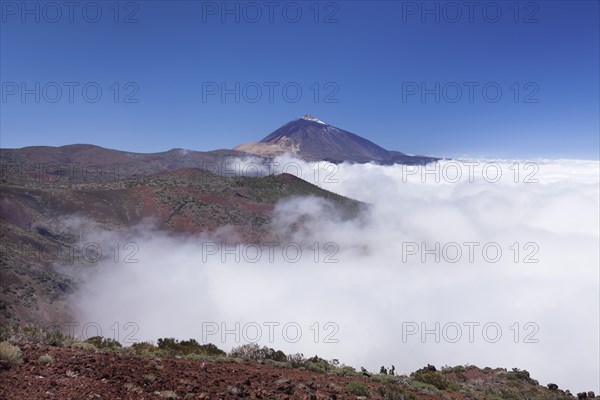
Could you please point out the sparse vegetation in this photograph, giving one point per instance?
(51, 336)
(468, 381)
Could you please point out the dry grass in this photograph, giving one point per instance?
(10, 353)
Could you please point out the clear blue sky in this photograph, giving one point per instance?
(371, 57)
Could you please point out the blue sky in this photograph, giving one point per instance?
(369, 60)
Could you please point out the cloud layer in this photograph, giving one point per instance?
(443, 268)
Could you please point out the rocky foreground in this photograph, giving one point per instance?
(59, 372)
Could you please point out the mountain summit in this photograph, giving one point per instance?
(312, 139)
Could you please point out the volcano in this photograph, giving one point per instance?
(311, 139)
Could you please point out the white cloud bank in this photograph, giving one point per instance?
(381, 290)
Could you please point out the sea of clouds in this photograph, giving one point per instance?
(483, 262)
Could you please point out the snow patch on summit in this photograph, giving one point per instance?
(309, 117)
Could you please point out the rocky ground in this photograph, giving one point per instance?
(52, 372)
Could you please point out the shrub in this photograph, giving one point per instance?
(156, 365)
(358, 389)
(315, 367)
(168, 394)
(143, 348)
(71, 374)
(84, 346)
(346, 370)
(395, 392)
(278, 356)
(523, 375)
(104, 343)
(45, 359)
(457, 369)
(320, 364)
(296, 360)
(384, 378)
(174, 347)
(430, 377)
(10, 353)
(252, 351)
(132, 387)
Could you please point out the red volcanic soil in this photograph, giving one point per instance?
(76, 373)
(109, 375)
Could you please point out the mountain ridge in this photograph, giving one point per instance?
(307, 138)
(312, 139)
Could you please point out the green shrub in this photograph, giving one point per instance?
(429, 377)
(523, 375)
(315, 367)
(175, 347)
(346, 370)
(384, 378)
(358, 389)
(84, 346)
(278, 356)
(253, 351)
(296, 360)
(104, 343)
(144, 348)
(395, 392)
(457, 369)
(10, 353)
